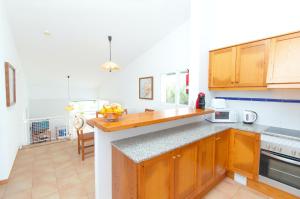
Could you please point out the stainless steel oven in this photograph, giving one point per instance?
(280, 170)
(280, 159)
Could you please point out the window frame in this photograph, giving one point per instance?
(177, 88)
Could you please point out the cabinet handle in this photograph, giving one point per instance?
(174, 157)
(178, 156)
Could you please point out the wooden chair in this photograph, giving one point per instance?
(149, 110)
(82, 138)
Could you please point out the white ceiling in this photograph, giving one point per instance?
(78, 43)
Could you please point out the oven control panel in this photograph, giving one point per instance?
(281, 145)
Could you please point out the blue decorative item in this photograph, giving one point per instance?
(260, 99)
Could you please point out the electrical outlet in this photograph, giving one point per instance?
(240, 179)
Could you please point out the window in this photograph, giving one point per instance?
(174, 88)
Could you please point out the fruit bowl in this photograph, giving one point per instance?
(112, 113)
(112, 117)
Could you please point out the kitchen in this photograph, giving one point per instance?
(205, 103)
(263, 157)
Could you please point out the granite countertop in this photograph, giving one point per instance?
(147, 146)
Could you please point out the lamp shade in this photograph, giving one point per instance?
(110, 66)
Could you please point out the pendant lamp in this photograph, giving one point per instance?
(110, 66)
(69, 107)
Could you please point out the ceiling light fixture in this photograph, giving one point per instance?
(69, 107)
(110, 66)
(47, 33)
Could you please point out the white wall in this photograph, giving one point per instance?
(12, 126)
(49, 101)
(234, 22)
(168, 55)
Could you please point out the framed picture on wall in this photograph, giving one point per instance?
(146, 88)
(10, 84)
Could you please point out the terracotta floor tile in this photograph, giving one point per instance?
(246, 192)
(18, 186)
(2, 190)
(44, 190)
(228, 187)
(74, 192)
(66, 172)
(92, 195)
(22, 176)
(67, 182)
(44, 179)
(52, 196)
(25, 194)
(216, 194)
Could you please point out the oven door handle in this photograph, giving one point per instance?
(281, 158)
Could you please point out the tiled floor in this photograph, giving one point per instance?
(55, 171)
(229, 189)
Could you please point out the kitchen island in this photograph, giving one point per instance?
(129, 126)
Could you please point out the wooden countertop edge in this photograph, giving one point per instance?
(93, 122)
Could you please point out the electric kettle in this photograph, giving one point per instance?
(249, 117)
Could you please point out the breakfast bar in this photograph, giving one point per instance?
(129, 126)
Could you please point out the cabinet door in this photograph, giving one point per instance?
(185, 170)
(156, 178)
(206, 162)
(244, 153)
(221, 154)
(284, 59)
(222, 68)
(252, 63)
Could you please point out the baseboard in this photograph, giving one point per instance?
(266, 189)
(269, 190)
(2, 182)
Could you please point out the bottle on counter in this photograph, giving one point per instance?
(200, 103)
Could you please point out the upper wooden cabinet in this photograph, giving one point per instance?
(257, 65)
(244, 153)
(284, 67)
(222, 68)
(251, 64)
(239, 67)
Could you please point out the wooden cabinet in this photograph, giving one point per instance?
(221, 154)
(284, 61)
(222, 68)
(244, 153)
(258, 65)
(173, 175)
(156, 178)
(242, 67)
(188, 172)
(185, 171)
(206, 162)
(252, 64)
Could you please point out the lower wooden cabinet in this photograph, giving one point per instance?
(221, 154)
(185, 171)
(206, 162)
(188, 172)
(244, 153)
(155, 178)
